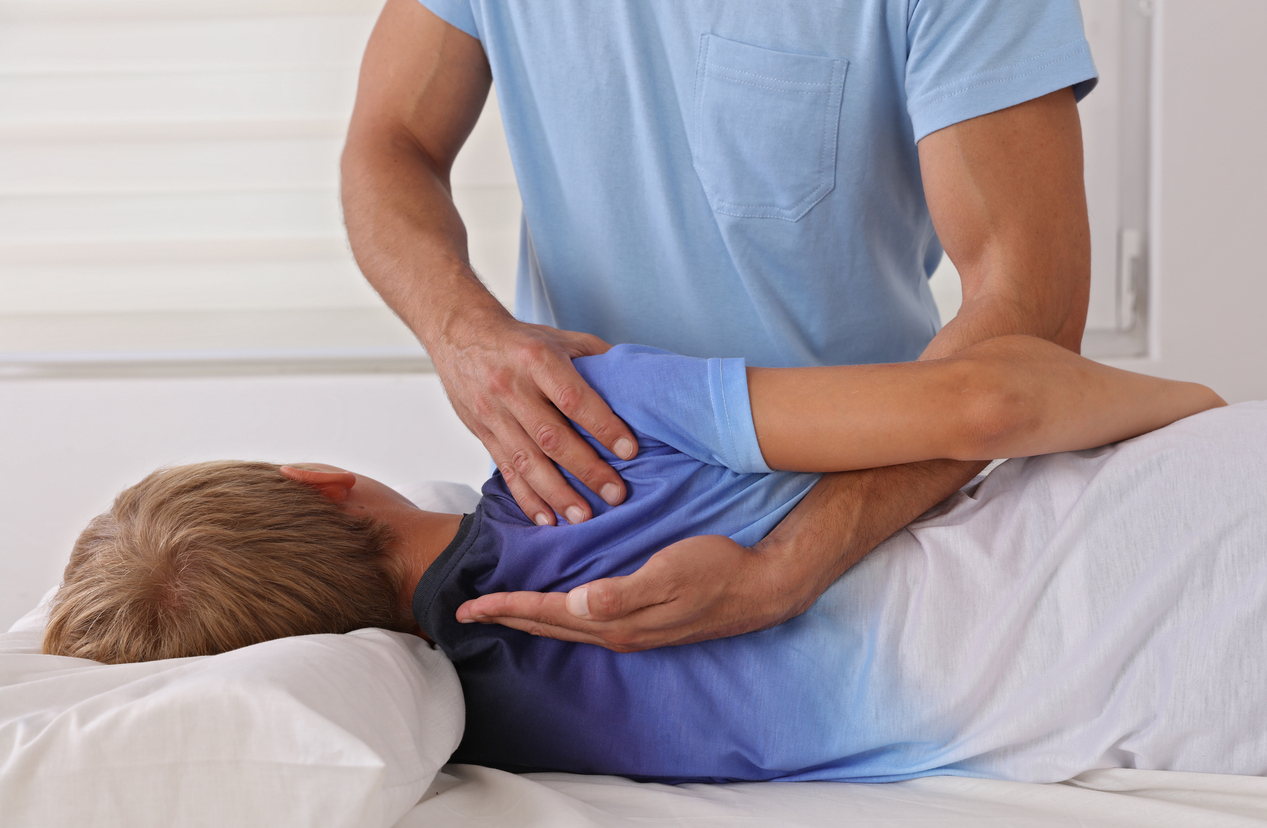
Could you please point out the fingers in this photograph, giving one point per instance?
(536, 435)
(580, 403)
(572, 396)
(576, 343)
(552, 439)
(699, 588)
(542, 607)
(519, 461)
(544, 630)
(625, 614)
(536, 483)
(518, 398)
(549, 614)
(607, 599)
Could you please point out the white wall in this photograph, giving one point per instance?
(1210, 285)
(67, 445)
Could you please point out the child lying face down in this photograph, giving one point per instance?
(1073, 611)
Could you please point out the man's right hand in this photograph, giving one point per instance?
(514, 386)
(423, 85)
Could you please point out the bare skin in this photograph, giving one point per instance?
(1006, 196)
(1012, 396)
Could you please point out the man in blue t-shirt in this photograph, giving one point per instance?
(721, 177)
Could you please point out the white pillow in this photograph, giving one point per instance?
(329, 730)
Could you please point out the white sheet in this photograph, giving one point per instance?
(466, 796)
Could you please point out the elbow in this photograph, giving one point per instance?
(995, 412)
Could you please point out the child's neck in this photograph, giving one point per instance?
(421, 536)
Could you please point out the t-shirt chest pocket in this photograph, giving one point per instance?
(764, 139)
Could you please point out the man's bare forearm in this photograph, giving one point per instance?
(848, 514)
(407, 236)
(423, 86)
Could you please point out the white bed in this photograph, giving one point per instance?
(223, 742)
(354, 730)
(467, 795)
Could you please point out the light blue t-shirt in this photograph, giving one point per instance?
(740, 177)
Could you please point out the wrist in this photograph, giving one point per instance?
(466, 314)
(803, 555)
(844, 517)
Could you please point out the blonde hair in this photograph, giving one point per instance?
(200, 559)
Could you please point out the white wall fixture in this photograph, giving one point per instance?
(1117, 126)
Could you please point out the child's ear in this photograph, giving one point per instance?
(334, 485)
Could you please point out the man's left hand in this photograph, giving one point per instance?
(696, 589)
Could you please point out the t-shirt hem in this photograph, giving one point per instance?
(981, 94)
(732, 410)
(456, 13)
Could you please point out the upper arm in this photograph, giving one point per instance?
(422, 81)
(1007, 199)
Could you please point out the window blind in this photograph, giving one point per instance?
(169, 189)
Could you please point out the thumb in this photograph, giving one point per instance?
(580, 344)
(606, 599)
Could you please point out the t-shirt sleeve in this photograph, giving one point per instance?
(456, 13)
(698, 406)
(967, 58)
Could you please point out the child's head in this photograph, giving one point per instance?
(200, 559)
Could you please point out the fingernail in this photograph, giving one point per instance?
(542, 519)
(466, 620)
(579, 602)
(575, 515)
(611, 494)
(624, 448)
